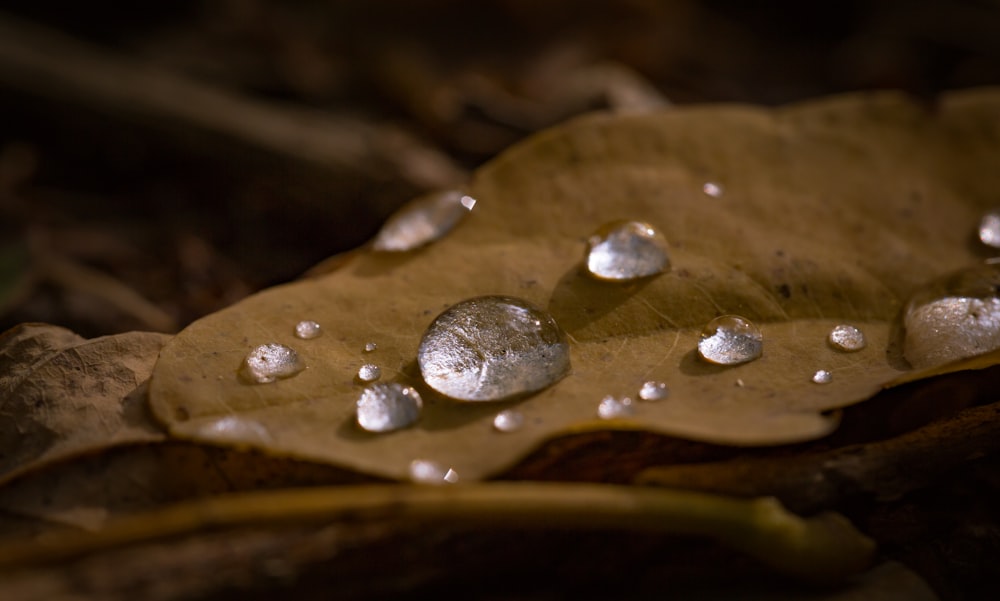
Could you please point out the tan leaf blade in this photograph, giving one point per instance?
(834, 211)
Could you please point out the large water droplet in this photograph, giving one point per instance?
(388, 407)
(989, 229)
(654, 391)
(730, 340)
(492, 347)
(369, 372)
(508, 420)
(307, 330)
(847, 338)
(822, 377)
(953, 317)
(612, 408)
(269, 362)
(425, 471)
(423, 220)
(626, 250)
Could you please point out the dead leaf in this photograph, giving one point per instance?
(62, 395)
(833, 211)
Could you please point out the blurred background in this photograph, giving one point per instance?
(159, 161)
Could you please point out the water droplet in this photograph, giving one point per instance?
(307, 330)
(425, 471)
(612, 408)
(388, 407)
(953, 317)
(847, 338)
(423, 220)
(989, 229)
(654, 391)
(730, 340)
(492, 347)
(370, 347)
(822, 377)
(508, 420)
(369, 372)
(626, 250)
(712, 189)
(236, 429)
(268, 362)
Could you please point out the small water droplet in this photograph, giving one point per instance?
(370, 347)
(730, 340)
(307, 330)
(822, 377)
(508, 420)
(423, 220)
(236, 429)
(388, 407)
(424, 471)
(269, 362)
(712, 189)
(491, 348)
(612, 408)
(953, 317)
(847, 338)
(626, 250)
(654, 391)
(989, 229)
(369, 372)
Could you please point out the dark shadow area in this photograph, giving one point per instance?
(578, 299)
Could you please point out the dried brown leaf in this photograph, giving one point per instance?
(62, 395)
(834, 211)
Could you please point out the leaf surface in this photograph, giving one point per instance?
(833, 211)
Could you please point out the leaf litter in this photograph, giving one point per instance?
(835, 211)
(62, 396)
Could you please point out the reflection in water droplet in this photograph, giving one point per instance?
(654, 391)
(612, 408)
(730, 340)
(822, 377)
(423, 220)
(954, 317)
(236, 429)
(369, 372)
(847, 338)
(307, 330)
(492, 347)
(989, 229)
(626, 250)
(268, 362)
(712, 189)
(388, 407)
(370, 347)
(508, 420)
(425, 471)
